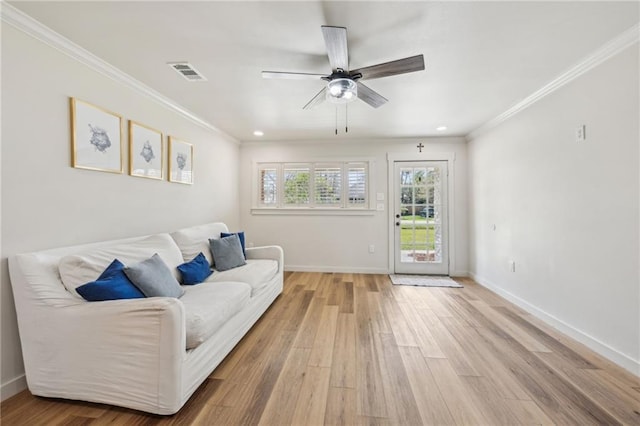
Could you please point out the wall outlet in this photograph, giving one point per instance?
(581, 133)
(372, 248)
(380, 207)
(512, 265)
(380, 196)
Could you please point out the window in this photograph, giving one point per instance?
(268, 187)
(327, 185)
(296, 185)
(357, 190)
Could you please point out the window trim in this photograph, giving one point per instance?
(314, 209)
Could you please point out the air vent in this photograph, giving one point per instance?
(186, 70)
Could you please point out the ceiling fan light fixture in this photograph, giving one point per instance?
(342, 90)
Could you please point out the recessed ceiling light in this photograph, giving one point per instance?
(441, 128)
(258, 133)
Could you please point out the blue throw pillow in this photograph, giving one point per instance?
(240, 236)
(195, 271)
(112, 284)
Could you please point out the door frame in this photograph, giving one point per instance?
(392, 158)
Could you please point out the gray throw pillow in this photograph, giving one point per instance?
(153, 278)
(227, 253)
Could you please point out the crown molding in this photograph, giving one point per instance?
(608, 50)
(23, 22)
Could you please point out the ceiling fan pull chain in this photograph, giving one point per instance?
(336, 121)
(346, 119)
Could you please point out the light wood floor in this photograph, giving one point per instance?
(353, 349)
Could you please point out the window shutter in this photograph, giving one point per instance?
(357, 181)
(296, 185)
(268, 184)
(328, 185)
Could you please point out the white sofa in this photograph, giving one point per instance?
(148, 354)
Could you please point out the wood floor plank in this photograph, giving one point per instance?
(486, 363)
(515, 331)
(461, 406)
(426, 342)
(347, 302)
(452, 350)
(341, 407)
(624, 408)
(283, 398)
(310, 324)
(312, 400)
(397, 388)
(353, 349)
(432, 407)
(489, 401)
(558, 398)
(256, 393)
(402, 331)
(322, 351)
(528, 412)
(343, 367)
(371, 398)
(577, 360)
(377, 314)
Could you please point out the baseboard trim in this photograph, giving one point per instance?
(591, 342)
(13, 387)
(338, 269)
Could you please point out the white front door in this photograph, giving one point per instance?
(420, 218)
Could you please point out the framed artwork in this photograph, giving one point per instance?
(145, 151)
(96, 138)
(180, 161)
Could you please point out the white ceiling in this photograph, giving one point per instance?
(481, 57)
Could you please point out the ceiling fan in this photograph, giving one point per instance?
(344, 85)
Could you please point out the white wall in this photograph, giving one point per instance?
(340, 243)
(566, 212)
(46, 203)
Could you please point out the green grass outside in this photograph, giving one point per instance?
(424, 238)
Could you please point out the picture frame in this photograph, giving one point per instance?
(180, 161)
(96, 137)
(145, 151)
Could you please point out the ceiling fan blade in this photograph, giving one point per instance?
(317, 99)
(335, 38)
(291, 75)
(400, 66)
(370, 96)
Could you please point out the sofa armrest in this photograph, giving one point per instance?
(267, 252)
(125, 352)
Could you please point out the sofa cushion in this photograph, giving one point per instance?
(208, 306)
(257, 273)
(112, 284)
(153, 278)
(78, 269)
(227, 252)
(195, 271)
(195, 239)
